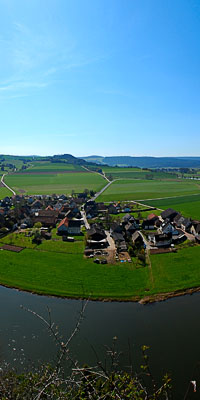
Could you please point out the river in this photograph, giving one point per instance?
(171, 329)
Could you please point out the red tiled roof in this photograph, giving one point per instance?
(64, 221)
(151, 216)
(49, 208)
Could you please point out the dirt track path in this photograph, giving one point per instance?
(4, 184)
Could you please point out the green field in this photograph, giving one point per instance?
(189, 206)
(47, 166)
(143, 189)
(56, 244)
(136, 173)
(176, 271)
(72, 275)
(4, 192)
(41, 183)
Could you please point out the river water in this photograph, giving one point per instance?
(171, 329)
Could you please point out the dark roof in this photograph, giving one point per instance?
(169, 213)
(96, 230)
(118, 237)
(74, 223)
(136, 236)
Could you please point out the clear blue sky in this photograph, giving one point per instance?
(107, 77)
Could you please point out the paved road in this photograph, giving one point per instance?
(102, 190)
(87, 225)
(4, 184)
(98, 173)
(111, 249)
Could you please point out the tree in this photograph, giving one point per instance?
(103, 381)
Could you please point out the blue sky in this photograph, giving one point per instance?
(107, 77)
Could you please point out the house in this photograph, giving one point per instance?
(36, 205)
(179, 238)
(112, 209)
(148, 224)
(126, 209)
(186, 224)
(153, 218)
(130, 228)
(127, 218)
(101, 207)
(195, 228)
(137, 238)
(160, 240)
(167, 227)
(69, 226)
(169, 214)
(96, 237)
(122, 247)
(117, 237)
(46, 217)
(115, 227)
(197, 238)
(96, 233)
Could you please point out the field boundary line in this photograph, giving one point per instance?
(171, 197)
(98, 173)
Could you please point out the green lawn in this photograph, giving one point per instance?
(18, 239)
(54, 183)
(70, 275)
(176, 271)
(59, 246)
(143, 189)
(189, 206)
(4, 192)
(67, 274)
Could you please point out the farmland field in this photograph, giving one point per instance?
(189, 206)
(41, 183)
(144, 189)
(136, 173)
(47, 166)
(176, 271)
(4, 192)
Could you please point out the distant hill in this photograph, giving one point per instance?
(147, 162)
(95, 159)
(121, 161)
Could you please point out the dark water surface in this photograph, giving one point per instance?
(171, 329)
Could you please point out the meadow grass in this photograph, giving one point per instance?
(189, 206)
(70, 275)
(176, 271)
(132, 173)
(4, 192)
(58, 246)
(47, 166)
(143, 189)
(18, 239)
(54, 183)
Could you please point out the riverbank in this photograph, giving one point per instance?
(73, 276)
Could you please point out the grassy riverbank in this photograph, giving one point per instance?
(71, 275)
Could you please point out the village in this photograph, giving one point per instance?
(114, 232)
